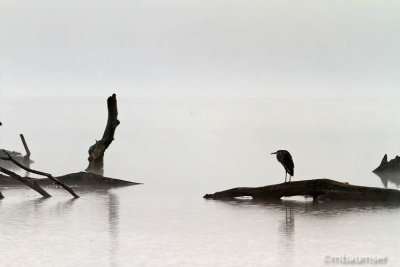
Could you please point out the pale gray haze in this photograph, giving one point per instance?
(206, 91)
(200, 48)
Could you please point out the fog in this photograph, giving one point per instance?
(200, 48)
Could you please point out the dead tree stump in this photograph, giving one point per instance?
(96, 151)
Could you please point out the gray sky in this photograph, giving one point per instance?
(200, 48)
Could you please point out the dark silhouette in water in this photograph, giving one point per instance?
(286, 160)
(389, 171)
(319, 189)
(393, 165)
(96, 151)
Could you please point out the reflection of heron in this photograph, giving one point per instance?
(286, 160)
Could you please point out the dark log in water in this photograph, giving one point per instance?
(75, 180)
(66, 187)
(96, 151)
(388, 166)
(389, 171)
(318, 189)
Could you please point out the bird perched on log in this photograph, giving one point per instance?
(286, 160)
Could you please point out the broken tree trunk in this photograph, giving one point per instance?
(32, 184)
(318, 189)
(28, 152)
(96, 151)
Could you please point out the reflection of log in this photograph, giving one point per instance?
(389, 171)
(32, 184)
(66, 187)
(96, 151)
(318, 189)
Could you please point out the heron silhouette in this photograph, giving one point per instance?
(286, 160)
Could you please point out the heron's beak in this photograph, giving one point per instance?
(274, 153)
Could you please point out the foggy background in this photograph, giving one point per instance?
(200, 48)
(206, 91)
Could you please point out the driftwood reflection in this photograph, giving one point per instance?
(392, 177)
(113, 226)
(287, 230)
(389, 171)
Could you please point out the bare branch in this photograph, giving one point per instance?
(35, 186)
(28, 152)
(318, 189)
(57, 181)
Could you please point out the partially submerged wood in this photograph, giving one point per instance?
(389, 171)
(62, 184)
(17, 156)
(388, 166)
(23, 159)
(96, 151)
(75, 180)
(318, 189)
(30, 183)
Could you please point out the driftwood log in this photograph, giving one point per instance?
(78, 180)
(318, 189)
(62, 184)
(96, 151)
(84, 180)
(393, 165)
(29, 182)
(389, 171)
(23, 159)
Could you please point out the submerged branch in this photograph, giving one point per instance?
(57, 181)
(318, 189)
(34, 185)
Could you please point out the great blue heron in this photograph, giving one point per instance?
(286, 160)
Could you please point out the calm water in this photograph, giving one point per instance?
(183, 148)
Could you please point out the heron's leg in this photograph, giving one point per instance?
(290, 178)
(285, 176)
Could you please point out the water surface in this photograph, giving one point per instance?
(182, 148)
